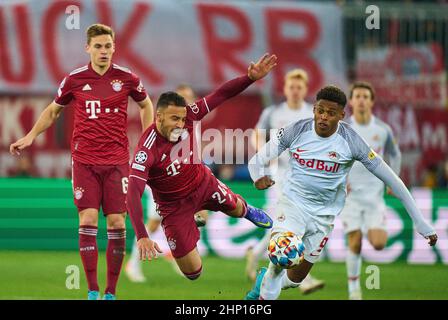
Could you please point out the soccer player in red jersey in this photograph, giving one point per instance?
(99, 94)
(166, 159)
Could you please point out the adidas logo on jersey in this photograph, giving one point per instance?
(86, 88)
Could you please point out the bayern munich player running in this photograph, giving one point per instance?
(365, 209)
(99, 93)
(167, 160)
(322, 151)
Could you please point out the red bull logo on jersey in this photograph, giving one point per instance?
(320, 165)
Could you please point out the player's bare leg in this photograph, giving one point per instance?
(190, 264)
(88, 249)
(353, 263)
(377, 238)
(116, 250)
(201, 218)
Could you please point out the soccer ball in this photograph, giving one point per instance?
(285, 249)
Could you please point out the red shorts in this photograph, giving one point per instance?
(95, 186)
(178, 222)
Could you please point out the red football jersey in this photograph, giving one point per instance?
(100, 102)
(174, 170)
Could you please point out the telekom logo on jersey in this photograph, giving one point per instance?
(93, 108)
(321, 165)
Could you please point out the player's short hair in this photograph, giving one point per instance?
(99, 29)
(171, 98)
(297, 74)
(333, 94)
(183, 86)
(362, 85)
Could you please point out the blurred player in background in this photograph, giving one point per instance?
(365, 209)
(133, 267)
(273, 118)
(99, 93)
(166, 159)
(322, 152)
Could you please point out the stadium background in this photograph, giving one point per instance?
(204, 43)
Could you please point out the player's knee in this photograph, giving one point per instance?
(193, 275)
(88, 221)
(378, 245)
(355, 248)
(355, 242)
(116, 221)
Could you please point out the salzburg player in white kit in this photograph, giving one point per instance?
(273, 118)
(322, 151)
(364, 213)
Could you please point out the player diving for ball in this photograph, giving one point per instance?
(322, 151)
(181, 184)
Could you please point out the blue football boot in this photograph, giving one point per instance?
(93, 295)
(254, 294)
(258, 217)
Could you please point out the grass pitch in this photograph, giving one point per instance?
(42, 275)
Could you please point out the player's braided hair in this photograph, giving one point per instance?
(332, 93)
(171, 98)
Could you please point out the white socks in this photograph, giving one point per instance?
(353, 262)
(274, 281)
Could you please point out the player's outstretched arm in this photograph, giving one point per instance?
(148, 249)
(46, 119)
(235, 86)
(146, 112)
(388, 176)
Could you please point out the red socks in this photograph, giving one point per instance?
(116, 249)
(89, 254)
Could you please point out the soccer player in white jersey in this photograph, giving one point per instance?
(365, 209)
(273, 118)
(322, 151)
(133, 267)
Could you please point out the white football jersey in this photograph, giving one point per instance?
(280, 116)
(318, 167)
(379, 137)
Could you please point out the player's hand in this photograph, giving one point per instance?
(349, 188)
(264, 183)
(258, 70)
(20, 144)
(148, 249)
(432, 239)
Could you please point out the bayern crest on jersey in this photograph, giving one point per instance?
(141, 157)
(172, 243)
(78, 192)
(117, 85)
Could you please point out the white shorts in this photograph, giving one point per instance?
(151, 206)
(314, 230)
(359, 215)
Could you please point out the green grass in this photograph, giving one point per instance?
(41, 275)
